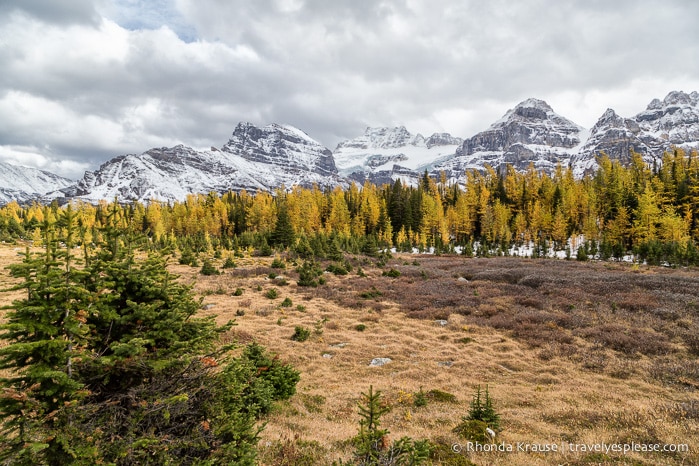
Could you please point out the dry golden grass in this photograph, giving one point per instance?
(552, 381)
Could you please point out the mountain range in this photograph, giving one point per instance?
(277, 155)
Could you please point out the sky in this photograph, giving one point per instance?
(82, 81)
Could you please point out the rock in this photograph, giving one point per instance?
(206, 307)
(376, 362)
(445, 363)
(442, 322)
(327, 355)
(338, 345)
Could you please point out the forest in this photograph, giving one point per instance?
(99, 324)
(649, 212)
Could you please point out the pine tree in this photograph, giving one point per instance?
(482, 409)
(108, 362)
(46, 336)
(371, 443)
(283, 233)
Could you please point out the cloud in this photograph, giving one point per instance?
(64, 12)
(87, 80)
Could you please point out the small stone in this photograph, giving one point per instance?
(206, 307)
(327, 355)
(462, 279)
(338, 345)
(442, 323)
(445, 363)
(376, 362)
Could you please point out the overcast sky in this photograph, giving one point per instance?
(82, 81)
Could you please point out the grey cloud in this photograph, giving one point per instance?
(56, 12)
(331, 68)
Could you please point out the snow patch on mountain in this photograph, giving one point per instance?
(23, 184)
(385, 154)
(253, 159)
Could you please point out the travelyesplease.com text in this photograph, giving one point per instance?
(564, 447)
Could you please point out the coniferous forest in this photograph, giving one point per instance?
(650, 212)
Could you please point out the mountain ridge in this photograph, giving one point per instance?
(269, 157)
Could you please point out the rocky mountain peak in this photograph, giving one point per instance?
(681, 98)
(533, 109)
(282, 145)
(609, 119)
(442, 139)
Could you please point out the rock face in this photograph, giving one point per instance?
(23, 184)
(253, 159)
(672, 122)
(283, 146)
(529, 133)
(383, 155)
(614, 136)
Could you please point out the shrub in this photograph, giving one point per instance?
(272, 293)
(300, 333)
(308, 274)
(337, 269)
(582, 253)
(188, 258)
(287, 302)
(265, 249)
(275, 380)
(472, 429)
(277, 263)
(229, 263)
(420, 399)
(441, 396)
(360, 327)
(393, 273)
(371, 294)
(443, 453)
(208, 268)
(238, 292)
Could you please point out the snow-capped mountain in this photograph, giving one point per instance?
(280, 155)
(529, 133)
(615, 136)
(385, 154)
(672, 122)
(253, 159)
(23, 184)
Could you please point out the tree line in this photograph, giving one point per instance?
(649, 211)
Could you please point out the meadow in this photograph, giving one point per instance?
(589, 357)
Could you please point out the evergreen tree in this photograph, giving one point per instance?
(108, 362)
(283, 233)
(371, 443)
(46, 335)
